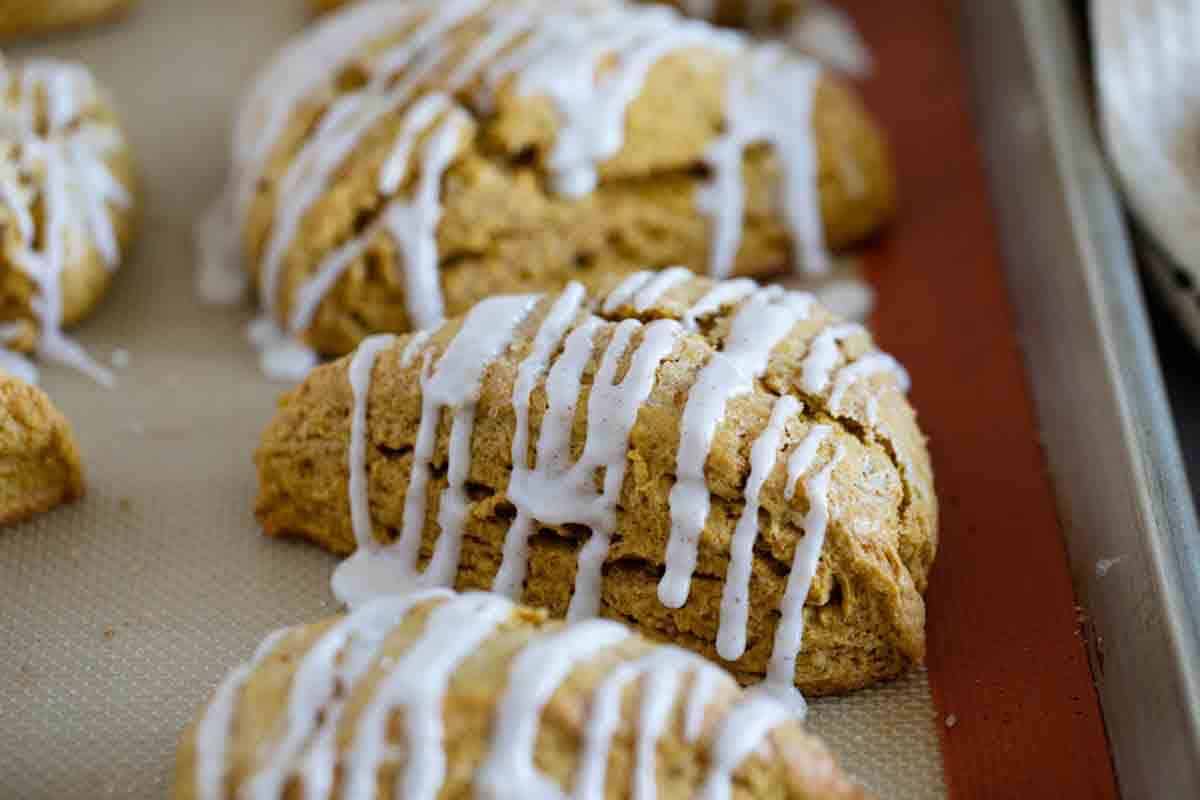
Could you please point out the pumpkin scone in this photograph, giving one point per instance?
(438, 695)
(32, 17)
(727, 467)
(67, 202)
(403, 160)
(39, 460)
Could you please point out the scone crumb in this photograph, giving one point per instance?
(951, 720)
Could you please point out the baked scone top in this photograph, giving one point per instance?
(401, 90)
(724, 435)
(442, 695)
(66, 187)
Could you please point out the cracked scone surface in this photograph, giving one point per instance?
(67, 209)
(864, 614)
(32, 17)
(457, 696)
(330, 269)
(39, 460)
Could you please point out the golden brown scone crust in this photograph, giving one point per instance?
(39, 460)
(865, 614)
(797, 765)
(31, 17)
(503, 230)
(86, 277)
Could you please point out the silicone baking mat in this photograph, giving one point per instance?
(119, 615)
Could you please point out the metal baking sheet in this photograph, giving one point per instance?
(120, 614)
(1127, 510)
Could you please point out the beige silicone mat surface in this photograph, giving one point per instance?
(119, 615)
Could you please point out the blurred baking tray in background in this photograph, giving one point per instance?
(1110, 440)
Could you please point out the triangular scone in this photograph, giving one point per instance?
(39, 460)
(603, 512)
(456, 696)
(402, 160)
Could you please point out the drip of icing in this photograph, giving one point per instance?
(863, 369)
(559, 493)
(625, 290)
(661, 283)
(827, 33)
(560, 60)
(508, 772)
(769, 99)
(76, 191)
(781, 674)
(453, 385)
(411, 224)
(823, 355)
(643, 289)
(280, 357)
(722, 294)
(661, 673)
(321, 685)
(735, 596)
(803, 456)
(743, 731)
(851, 299)
(213, 730)
(758, 326)
(704, 684)
(359, 376)
(416, 684)
(589, 59)
(300, 71)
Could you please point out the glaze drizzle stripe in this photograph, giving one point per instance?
(452, 385)
(554, 54)
(76, 190)
(735, 593)
(416, 684)
(759, 324)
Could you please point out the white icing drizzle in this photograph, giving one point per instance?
(722, 294)
(561, 58)
(705, 683)
(757, 327)
(213, 730)
(769, 99)
(735, 596)
(823, 355)
(590, 59)
(359, 375)
(661, 673)
(743, 732)
(319, 690)
(452, 386)
(659, 284)
(781, 674)
(417, 684)
(863, 369)
(558, 493)
(508, 772)
(61, 165)
(803, 456)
